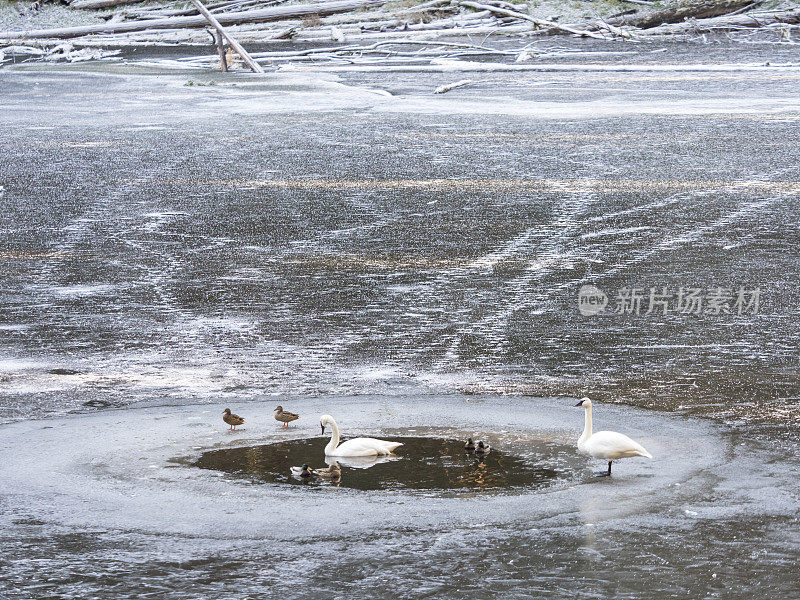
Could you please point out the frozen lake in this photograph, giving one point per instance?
(347, 242)
(107, 505)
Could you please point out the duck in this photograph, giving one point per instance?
(470, 445)
(285, 417)
(332, 473)
(356, 446)
(608, 445)
(231, 419)
(482, 449)
(304, 472)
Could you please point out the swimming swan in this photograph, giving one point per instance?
(356, 446)
(608, 445)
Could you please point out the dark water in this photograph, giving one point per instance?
(422, 463)
(408, 258)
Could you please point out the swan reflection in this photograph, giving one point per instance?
(360, 462)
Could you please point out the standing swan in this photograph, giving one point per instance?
(608, 445)
(356, 446)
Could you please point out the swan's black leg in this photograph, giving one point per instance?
(605, 473)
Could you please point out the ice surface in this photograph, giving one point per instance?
(117, 489)
(118, 468)
(304, 239)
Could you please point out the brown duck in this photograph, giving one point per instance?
(284, 416)
(333, 473)
(231, 419)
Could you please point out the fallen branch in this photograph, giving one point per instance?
(745, 8)
(614, 30)
(535, 21)
(97, 4)
(430, 31)
(376, 46)
(251, 16)
(223, 55)
(451, 66)
(378, 51)
(398, 24)
(68, 53)
(22, 51)
(443, 89)
(426, 5)
(316, 35)
(254, 66)
(285, 34)
(163, 12)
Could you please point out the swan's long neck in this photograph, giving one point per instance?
(587, 427)
(334, 443)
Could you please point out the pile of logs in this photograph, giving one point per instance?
(343, 20)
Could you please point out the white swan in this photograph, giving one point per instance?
(356, 446)
(608, 445)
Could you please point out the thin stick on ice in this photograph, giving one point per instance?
(443, 89)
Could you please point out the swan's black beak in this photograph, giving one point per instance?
(323, 428)
(579, 403)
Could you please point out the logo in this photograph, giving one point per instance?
(698, 301)
(591, 300)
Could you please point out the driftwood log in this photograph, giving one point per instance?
(263, 15)
(161, 12)
(254, 66)
(223, 57)
(98, 4)
(691, 16)
(760, 19)
(699, 9)
(538, 22)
